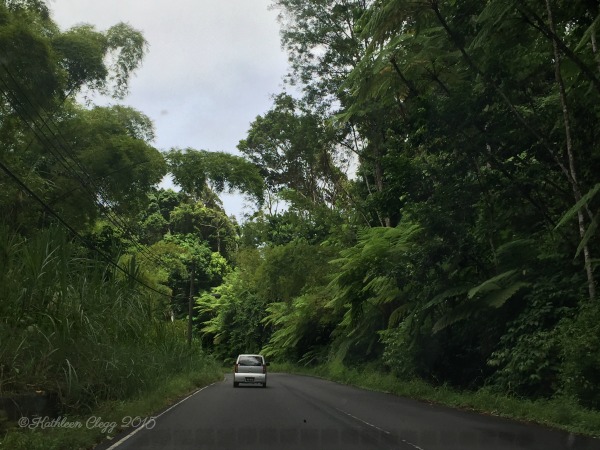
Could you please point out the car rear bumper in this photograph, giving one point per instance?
(250, 377)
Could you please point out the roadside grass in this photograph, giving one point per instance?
(111, 417)
(561, 412)
(76, 330)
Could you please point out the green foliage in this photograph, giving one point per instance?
(128, 47)
(579, 345)
(373, 279)
(97, 162)
(66, 61)
(180, 253)
(294, 152)
(423, 176)
(201, 371)
(81, 161)
(528, 359)
(74, 326)
(301, 329)
(114, 144)
(250, 311)
(209, 224)
(70, 323)
(322, 43)
(455, 116)
(82, 50)
(154, 221)
(287, 270)
(184, 236)
(83, 53)
(583, 203)
(400, 354)
(231, 318)
(27, 56)
(193, 170)
(492, 293)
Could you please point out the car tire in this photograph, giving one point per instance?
(264, 384)
(236, 384)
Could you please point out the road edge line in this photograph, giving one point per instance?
(129, 435)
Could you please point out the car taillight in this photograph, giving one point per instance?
(264, 368)
(235, 368)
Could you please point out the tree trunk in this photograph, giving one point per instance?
(568, 170)
(379, 181)
(595, 47)
(571, 159)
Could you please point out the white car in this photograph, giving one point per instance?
(250, 369)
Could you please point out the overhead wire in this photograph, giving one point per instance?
(99, 190)
(64, 223)
(55, 147)
(43, 138)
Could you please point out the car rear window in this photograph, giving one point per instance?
(250, 361)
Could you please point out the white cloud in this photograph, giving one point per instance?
(211, 68)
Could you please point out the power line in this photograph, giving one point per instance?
(47, 208)
(19, 109)
(98, 196)
(111, 215)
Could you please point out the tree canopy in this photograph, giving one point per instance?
(426, 191)
(461, 247)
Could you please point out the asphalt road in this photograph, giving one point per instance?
(296, 412)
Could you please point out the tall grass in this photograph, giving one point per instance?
(71, 325)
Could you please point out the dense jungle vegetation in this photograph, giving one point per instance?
(426, 198)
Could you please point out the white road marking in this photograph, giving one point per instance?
(116, 444)
(366, 423)
(412, 445)
(378, 428)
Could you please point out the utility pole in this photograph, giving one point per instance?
(190, 304)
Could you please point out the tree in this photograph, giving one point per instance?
(476, 121)
(460, 92)
(80, 161)
(83, 320)
(295, 153)
(209, 224)
(177, 254)
(201, 173)
(229, 317)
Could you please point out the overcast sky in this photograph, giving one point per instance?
(211, 67)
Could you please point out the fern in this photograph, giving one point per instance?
(591, 230)
(497, 298)
(490, 284)
(491, 293)
(577, 206)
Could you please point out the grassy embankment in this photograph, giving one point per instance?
(561, 413)
(74, 329)
(112, 415)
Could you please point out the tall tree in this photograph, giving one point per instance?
(324, 46)
(295, 151)
(202, 174)
(53, 145)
